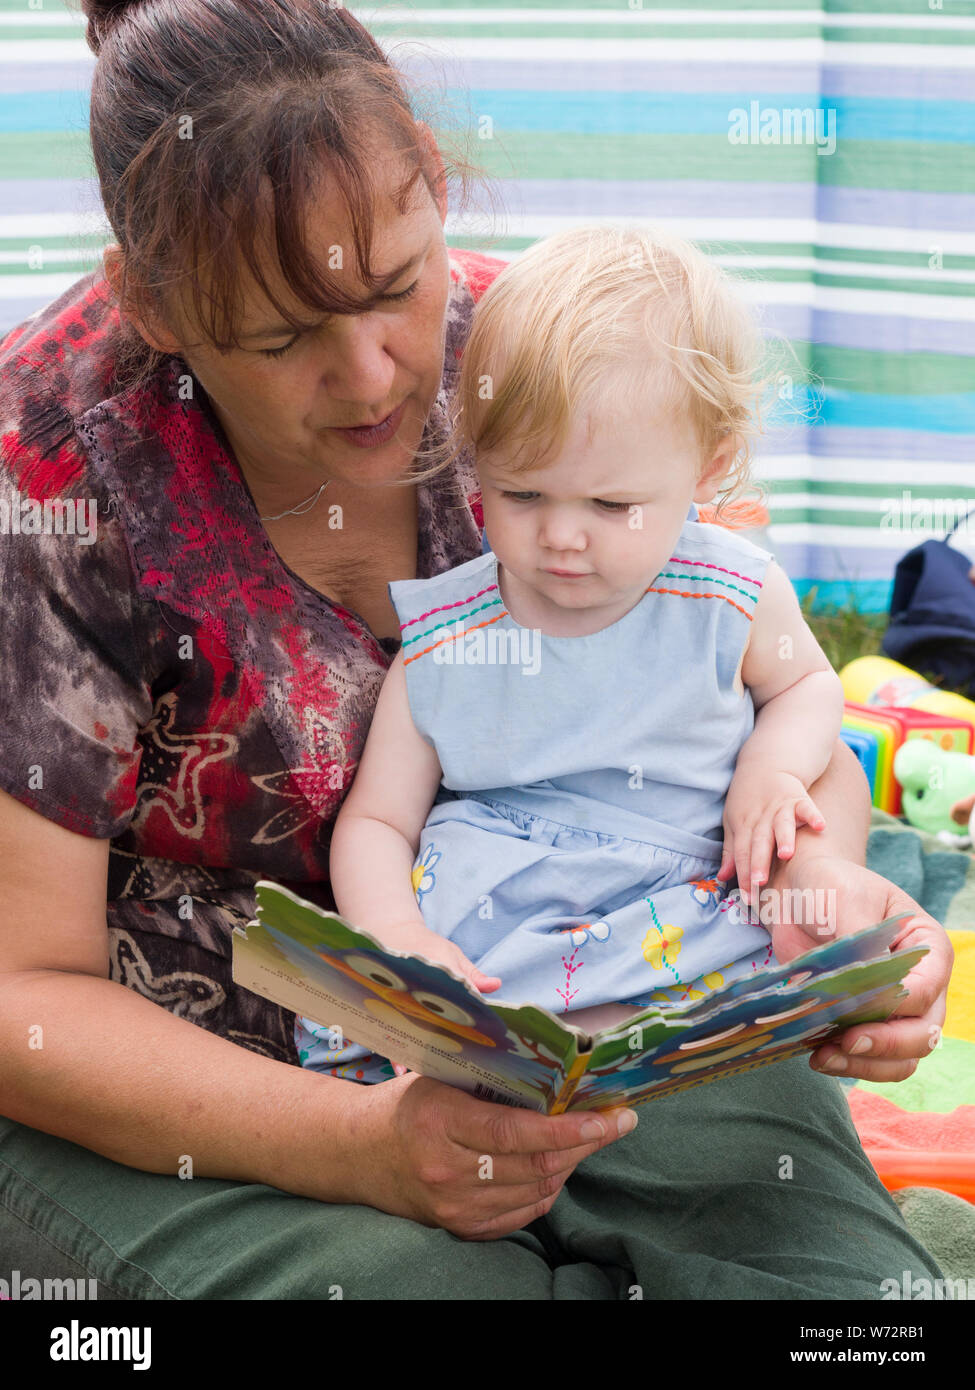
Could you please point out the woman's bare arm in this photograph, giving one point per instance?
(90, 1060)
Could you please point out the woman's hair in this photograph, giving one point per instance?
(212, 123)
(598, 317)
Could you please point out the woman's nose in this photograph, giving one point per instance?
(357, 366)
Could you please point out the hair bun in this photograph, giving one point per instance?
(102, 16)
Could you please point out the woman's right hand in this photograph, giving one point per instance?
(438, 1156)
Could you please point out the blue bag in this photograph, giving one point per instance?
(932, 614)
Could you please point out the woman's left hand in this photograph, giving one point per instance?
(860, 899)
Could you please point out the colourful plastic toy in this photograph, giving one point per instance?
(938, 790)
(876, 680)
(881, 730)
(864, 745)
(916, 1168)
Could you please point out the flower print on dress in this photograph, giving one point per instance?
(171, 767)
(737, 910)
(682, 994)
(314, 788)
(588, 931)
(662, 944)
(422, 876)
(707, 892)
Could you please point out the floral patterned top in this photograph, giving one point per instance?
(168, 683)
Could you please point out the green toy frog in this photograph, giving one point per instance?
(938, 789)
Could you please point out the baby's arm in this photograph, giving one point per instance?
(377, 833)
(798, 700)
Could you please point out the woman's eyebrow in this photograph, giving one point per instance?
(384, 284)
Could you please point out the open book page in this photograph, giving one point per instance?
(421, 1014)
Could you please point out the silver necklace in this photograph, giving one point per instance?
(302, 507)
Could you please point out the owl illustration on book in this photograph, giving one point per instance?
(429, 997)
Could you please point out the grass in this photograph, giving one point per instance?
(845, 633)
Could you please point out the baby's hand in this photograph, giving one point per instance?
(762, 810)
(417, 939)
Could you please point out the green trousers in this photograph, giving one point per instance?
(754, 1187)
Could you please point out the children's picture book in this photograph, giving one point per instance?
(422, 1015)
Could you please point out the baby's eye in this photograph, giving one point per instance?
(611, 506)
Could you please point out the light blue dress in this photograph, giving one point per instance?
(574, 841)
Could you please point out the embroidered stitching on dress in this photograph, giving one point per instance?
(664, 574)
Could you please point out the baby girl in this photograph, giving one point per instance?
(594, 723)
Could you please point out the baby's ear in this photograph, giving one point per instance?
(717, 468)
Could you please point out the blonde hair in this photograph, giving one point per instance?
(593, 316)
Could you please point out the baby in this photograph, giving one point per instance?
(591, 725)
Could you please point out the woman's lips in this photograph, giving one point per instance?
(370, 436)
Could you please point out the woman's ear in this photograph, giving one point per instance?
(113, 261)
(717, 469)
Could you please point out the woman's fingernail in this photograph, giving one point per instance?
(837, 1063)
(627, 1122)
(862, 1045)
(593, 1129)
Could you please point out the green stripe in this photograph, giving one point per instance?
(787, 276)
(618, 24)
(449, 622)
(716, 7)
(93, 240)
(956, 7)
(51, 266)
(919, 259)
(887, 373)
(96, 241)
(614, 26)
(706, 579)
(954, 289)
(822, 516)
(914, 166)
(885, 491)
(920, 167)
(47, 154)
(950, 38)
(910, 7)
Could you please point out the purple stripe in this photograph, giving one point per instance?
(46, 77)
(628, 75)
(50, 195)
(871, 332)
(699, 197)
(848, 562)
(841, 441)
(636, 75)
(631, 75)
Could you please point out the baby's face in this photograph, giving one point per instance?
(607, 511)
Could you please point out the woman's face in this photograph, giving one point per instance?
(281, 397)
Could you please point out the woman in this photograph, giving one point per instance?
(187, 703)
